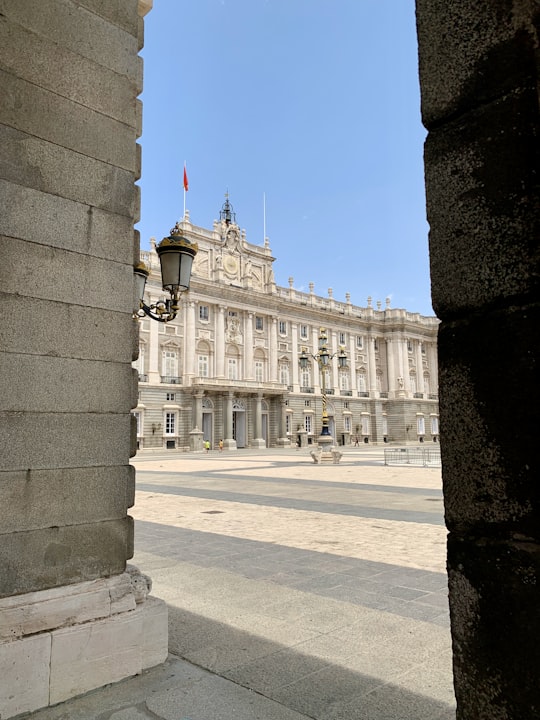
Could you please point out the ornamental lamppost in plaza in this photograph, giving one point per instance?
(326, 449)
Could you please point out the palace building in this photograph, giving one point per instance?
(229, 366)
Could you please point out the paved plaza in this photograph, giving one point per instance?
(295, 590)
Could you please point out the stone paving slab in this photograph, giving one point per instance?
(294, 590)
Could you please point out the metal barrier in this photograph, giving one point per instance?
(417, 456)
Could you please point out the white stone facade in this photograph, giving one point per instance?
(228, 366)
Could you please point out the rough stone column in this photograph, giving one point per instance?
(479, 75)
(69, 202)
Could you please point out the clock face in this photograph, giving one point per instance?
(230, 264)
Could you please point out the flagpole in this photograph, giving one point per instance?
(264, 218)
(185, 189)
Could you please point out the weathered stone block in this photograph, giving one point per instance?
(64, 224)
(84, 32)
(34, 58)
(32, 162)
(155, 632)
(39, 112)
(63, 276)
(34, 612)
(24, 669)
(50, 557)
(488, 471)
(70, 496)
(482, 205)
(88, 656)
(124, 13)
(494, 598)
(473, 52)
(54, 328)
(55, 440)
(65, 385)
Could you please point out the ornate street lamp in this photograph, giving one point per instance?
(323, 358)
(176, 255)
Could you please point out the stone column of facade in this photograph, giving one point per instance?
(480, 106)
(283, 440)
(294, 379)
(390, 365)
(315, 371)
(404, 362)
(419, 368)
(273, 350)
(228, 441)
(154, 368)
(433, 368)
(372, 369)
(73, 617)
(248, 346)
(258, 441)
(220, 342)
(334, 375)
(196, 434)
(351, 362)
(189, 343)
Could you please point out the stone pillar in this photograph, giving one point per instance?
(189, 343)
(220, 342)
(154, 361)
(228, 441)
(372, 369)
(283, 440)
(258, 440)
(294, 379)
(479, 72)
(73, 619)
(419, 368)
(390, 365)
(248, 346)
(273, 350)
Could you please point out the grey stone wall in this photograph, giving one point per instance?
(69, 118)
(479, 74)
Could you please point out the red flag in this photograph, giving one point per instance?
(186, 184)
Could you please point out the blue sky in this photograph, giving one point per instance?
(313, 104)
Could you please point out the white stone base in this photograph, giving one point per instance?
(56, 644)
(258, 443)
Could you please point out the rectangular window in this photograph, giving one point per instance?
(346, 404)
(306, 378)
(203, 365)
(282, 327)
(434, 425)
(259, 371)
(423, 348)
(385, 425)
(259, 325)
(376, 345)
(203, 312)
(361, 382)
(303, 332)
(170, 364)
(170, 396)
(420, 425)
(288, 423)
(412, 380)
(170, 423)
(284, 374)
(344, 380)
(342, 338)
(359, 342)
(308, 423)
(347, 423)
(233, 369)
(409, 346)
(307, 403)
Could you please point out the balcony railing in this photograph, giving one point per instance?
(171, 380)
(383, 394)
(433, 396)
(143, 377)
(418, 395)
(363, 393)
(348, 393)
(307, 389)
(330, 391)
